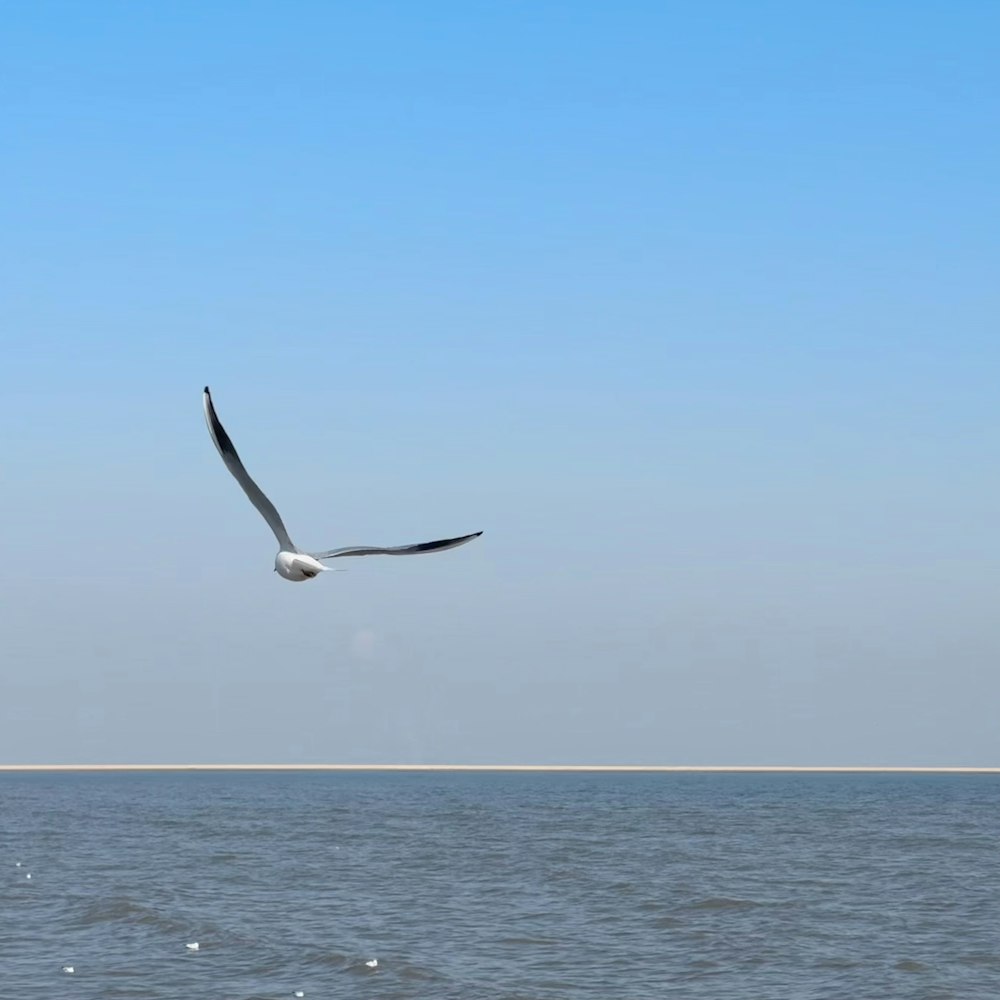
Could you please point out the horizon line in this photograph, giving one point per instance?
(566, 768)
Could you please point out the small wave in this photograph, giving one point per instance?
(327, 959)
(626, 888)
(724, 903)
(563, 874)
(256, 996)
(837, 963)
(980, 958)
(703, 963)
(418, 973)
(404, 970)
(527, 940)
(119, 909)
(224, 856)
(116, 992)
(910, 965)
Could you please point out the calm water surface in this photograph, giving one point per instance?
(500, 886)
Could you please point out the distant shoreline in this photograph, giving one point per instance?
(566, 768)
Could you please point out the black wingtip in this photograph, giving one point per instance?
(207, 393)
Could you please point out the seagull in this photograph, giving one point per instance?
(298, 993)
(291, 562)
(372, 963)
(192, 946)
(68, 969)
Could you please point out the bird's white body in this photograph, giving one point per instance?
(297, 566)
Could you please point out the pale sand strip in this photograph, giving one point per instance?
(582, 768)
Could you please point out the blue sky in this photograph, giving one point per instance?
(690, 307)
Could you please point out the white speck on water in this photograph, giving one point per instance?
(192, 946)
(372, 963)
(68, 969)
(299, 993)
(17, 864)
(28, 875)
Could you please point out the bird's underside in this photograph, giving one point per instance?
(290, 562)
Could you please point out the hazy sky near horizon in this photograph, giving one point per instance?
(690, 307)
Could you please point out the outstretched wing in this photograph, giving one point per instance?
(235, 466)
(397, 550)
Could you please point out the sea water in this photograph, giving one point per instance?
(494, 885)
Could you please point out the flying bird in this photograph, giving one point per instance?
(291, 562)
